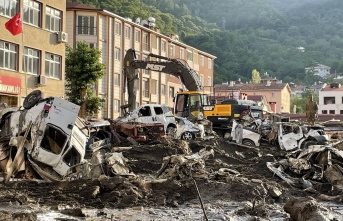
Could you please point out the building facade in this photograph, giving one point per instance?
(113, 35)
(331, 99)
(35, 58)
(319, 70)
(277, 94)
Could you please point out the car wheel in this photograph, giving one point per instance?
(171, 132)
(248, 142)
(32, 99)
(187, 136)
(309, 143)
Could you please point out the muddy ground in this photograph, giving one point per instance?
(254, 193)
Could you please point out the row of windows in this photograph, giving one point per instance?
(155, 44)
(33, 13)
(9, 56)
(331, 112)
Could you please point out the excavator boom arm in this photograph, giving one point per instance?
(175, 67)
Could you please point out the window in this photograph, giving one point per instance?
(209, 81)
(171, 92)
(118, 28)
(158, 110)
(324, 111)
(341, 112)
(163, 89)
(127, 32)
(116, 106)
(31, 61)
(182, 53)
(209, 63)
(145, 111)
(329, 100)
(144, 71)
(53, 19)
(53, 140)
(8, 7)
(86, 25)
(332, 111)
(202, 79)
(92, 45)
(154, 86)
(117, 54)
(172, 51)
(202, 61)
(137, 36)
(273, 94)
(189, 55)
(146, 87)
(53, 65)
(163, 46)
(116, 79)
(32, 12)
(146, 42)
(8, 55)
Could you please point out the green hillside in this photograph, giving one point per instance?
(249, 34)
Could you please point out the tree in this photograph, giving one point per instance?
(83, 69)
(255, 78)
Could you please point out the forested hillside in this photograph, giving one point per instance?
(249, 34)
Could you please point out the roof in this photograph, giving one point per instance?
(328, 88)
(78, 6)
(273, 86)
(316, 66)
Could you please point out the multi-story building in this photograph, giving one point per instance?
(277, 93)
(331, 99)
(113, 35)
(35, 58)
(319, 70)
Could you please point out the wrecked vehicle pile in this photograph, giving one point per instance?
(97, 173)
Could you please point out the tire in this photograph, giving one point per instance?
(187, 136)
(248, 142)
(309, 143)
(32, 99)
(171, 132)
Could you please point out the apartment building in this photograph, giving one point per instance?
(33, 59)
(277, 94)
(114, 35)
(331, 99)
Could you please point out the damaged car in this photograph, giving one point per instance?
(187, 130)
(43, 132)
(292, 136)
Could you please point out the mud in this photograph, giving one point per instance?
(253, 193)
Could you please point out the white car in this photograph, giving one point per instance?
(153, 113)
(187, 130)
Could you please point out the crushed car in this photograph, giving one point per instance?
(186, 130)
(313, 167)
(43, 132)
(284, 135)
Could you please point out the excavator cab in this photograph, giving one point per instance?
(190, 105)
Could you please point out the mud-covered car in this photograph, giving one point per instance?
(186, 130)
(42, 134)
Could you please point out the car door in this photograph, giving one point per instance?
(146, 115)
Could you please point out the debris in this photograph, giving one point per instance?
(304, 209)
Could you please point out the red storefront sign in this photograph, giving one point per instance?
(10, 85)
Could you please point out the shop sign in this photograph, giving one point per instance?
(10, 85)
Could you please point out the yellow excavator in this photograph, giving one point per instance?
(193, 104)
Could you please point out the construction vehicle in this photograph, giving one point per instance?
(193, 104)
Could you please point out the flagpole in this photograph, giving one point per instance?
(21, 11)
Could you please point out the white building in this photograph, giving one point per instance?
(319, 70)
(331, 99)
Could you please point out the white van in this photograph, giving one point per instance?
(154, 113)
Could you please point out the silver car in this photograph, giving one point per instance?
(186, 130)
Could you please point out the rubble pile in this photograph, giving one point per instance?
(69, 165)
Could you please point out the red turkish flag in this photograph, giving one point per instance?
(14, 25)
